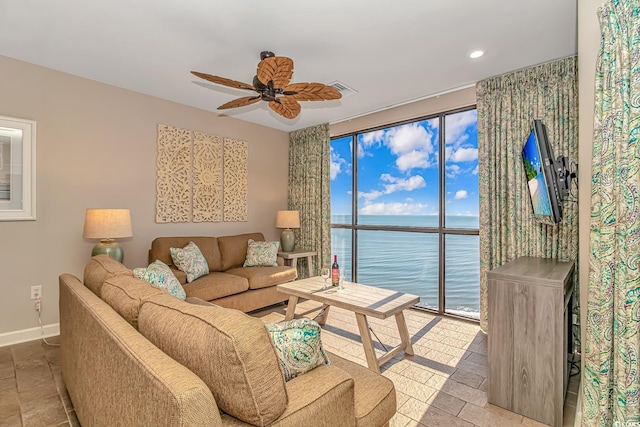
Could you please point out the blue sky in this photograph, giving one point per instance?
(398, 169)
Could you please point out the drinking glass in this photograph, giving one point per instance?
(325, 272)
(341, 282)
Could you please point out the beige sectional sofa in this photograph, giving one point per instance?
(137, 356)
(228, 283)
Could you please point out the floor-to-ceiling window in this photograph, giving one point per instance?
(402, 218)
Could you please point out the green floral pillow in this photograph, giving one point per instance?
(298, 346)
(190, 260)
(160, 275)
(262, 254)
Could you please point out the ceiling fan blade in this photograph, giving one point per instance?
(240, 102)
(311, 92)
(223, 81)
(286, 107)
(276, 68)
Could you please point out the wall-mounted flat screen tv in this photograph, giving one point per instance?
(541, 174)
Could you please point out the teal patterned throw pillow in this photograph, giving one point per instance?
(190, 260)
(298, 346)
(160, 275)
(262, 254)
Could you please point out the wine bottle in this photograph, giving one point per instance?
(335, 272)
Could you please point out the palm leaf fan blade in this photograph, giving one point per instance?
(287, 107)
(240, 102)
(278, 69)
(311, 92)
(223, 81)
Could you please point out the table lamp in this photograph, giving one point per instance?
(287, 220)
(107, 225)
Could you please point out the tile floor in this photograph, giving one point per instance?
(443, 384)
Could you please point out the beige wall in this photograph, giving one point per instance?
(437, 104)
(96, 149)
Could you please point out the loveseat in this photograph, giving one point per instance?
(228, 283)
(137, 356)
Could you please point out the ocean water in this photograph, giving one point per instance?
(409, 261)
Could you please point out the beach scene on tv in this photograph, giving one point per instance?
(535, 177)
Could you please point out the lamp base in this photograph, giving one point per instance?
(108, 247)
(287, 240)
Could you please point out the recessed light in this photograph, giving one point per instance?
(476, 54)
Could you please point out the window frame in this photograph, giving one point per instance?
(441, 230)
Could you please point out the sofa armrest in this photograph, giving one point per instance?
(115, 376)
(324, 394)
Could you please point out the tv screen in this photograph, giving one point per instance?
(541, 177)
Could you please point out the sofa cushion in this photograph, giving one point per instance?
(216, 285)
(160, 275)
(298, 346)
(229, 350)
(233, 249)
(190, 260)
(101, 268)
(125, 294)
(263, 277)
(207, 245)
(261, 254)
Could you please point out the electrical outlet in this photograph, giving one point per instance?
(36, 292)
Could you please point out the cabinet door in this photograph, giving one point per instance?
(535, 343)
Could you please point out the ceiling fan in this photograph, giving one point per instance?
(272, 84)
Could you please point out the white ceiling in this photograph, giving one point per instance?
(391, 52)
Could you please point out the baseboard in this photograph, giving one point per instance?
(31, 334)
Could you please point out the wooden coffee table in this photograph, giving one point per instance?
(364, 301)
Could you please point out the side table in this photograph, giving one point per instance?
(291, 258)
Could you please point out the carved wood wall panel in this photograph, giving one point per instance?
(173, 184)
(236, 155)
(207, 178)
(201, 178)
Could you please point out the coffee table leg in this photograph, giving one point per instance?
(404, 333)
(367, 343)
(291, 307)
(325, 312)
(309, 267)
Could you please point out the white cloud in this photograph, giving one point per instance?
(395, 208)
(370, 195)
(371, 138)
(463, 155)
(453, 170)
(392, 185)
(337, 163)
(461, 194)
(457, 124)
(368, 140)
(413, 145)
(475, 171)
(412, 160)
(400, 184)
(410, 137)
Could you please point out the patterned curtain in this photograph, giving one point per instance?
(310, 192)
(610, 382)
(506, 107)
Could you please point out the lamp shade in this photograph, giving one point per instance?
(107, 224)
(288, 219)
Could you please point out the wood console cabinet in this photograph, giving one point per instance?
(530, 336)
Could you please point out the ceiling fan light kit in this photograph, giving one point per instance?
(272, 83)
